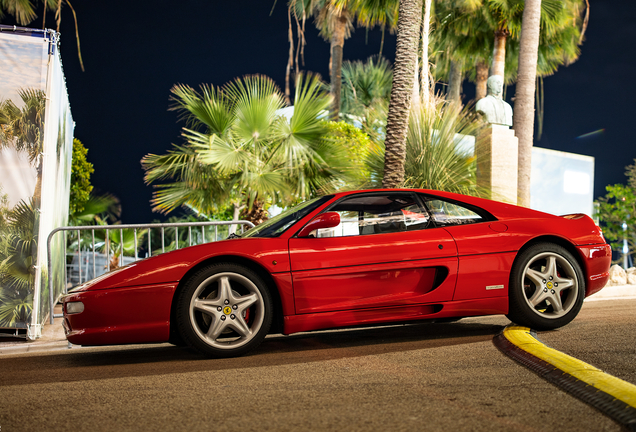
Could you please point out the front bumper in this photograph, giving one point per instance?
(138, 314)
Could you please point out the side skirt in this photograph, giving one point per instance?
(461, 308)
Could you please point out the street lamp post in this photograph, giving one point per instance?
(625, 247)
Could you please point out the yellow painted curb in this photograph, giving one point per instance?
(619, 389)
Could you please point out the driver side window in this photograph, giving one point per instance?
(377, 214)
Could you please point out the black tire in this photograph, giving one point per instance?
(224, 310)
(547, 287)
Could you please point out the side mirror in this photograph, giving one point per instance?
(323, 220)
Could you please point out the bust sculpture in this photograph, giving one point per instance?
(493, 107)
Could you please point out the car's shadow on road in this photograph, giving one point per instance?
(145, 360)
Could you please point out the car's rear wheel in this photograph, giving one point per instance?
(224, 310)
(547, 287)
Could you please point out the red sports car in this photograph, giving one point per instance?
(350, 259)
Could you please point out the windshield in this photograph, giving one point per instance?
(279, 224)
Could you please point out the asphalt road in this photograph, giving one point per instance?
(437, 377)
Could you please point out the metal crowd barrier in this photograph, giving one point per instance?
(121, 228)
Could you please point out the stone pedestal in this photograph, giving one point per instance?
(496, 150)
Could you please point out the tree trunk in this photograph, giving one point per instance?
(498, 66)
(524, 96)
(236, 212)
(424, 84)
(257, 215)
(409, 20)
(455, 82)
(337, 44)
(481, 90)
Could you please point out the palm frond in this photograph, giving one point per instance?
(256, 99)
(98, 209)
(21, 10)
(310, 103)
(210, 108)
(175, 163)
(225, 156)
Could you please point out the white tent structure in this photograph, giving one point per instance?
(35, 169)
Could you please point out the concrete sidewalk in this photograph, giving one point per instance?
(614, 292)
(53, 338)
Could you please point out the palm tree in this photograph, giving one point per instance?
(23, 129)
(366, 89)
(408, 36)
(371, 13)
(462, 39)
(468, 30)
(524, 96)
(247, 153)
(334, 19)
(504, 17)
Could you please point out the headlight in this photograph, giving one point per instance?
(74, 307)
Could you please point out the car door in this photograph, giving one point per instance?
(384, 253)
(484, 248)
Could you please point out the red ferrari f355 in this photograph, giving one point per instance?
(350, 259)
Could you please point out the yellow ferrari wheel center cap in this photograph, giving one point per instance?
(227, 310)
(549, 285)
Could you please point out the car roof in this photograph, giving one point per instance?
(498, 209)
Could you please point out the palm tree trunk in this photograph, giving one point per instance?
(455, 82)
(337, 45)
(481, 90)
(424, 84)
(524, 96)
(498, 66)
(257, 215)
(409, 20)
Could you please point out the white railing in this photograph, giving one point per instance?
(92, 253)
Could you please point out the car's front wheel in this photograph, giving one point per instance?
(224, 310)
(547, 287)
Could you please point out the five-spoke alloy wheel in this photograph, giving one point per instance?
(547, 287)
(224, 310)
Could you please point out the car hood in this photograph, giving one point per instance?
(271, 253)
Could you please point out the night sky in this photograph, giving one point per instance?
(134, 52)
